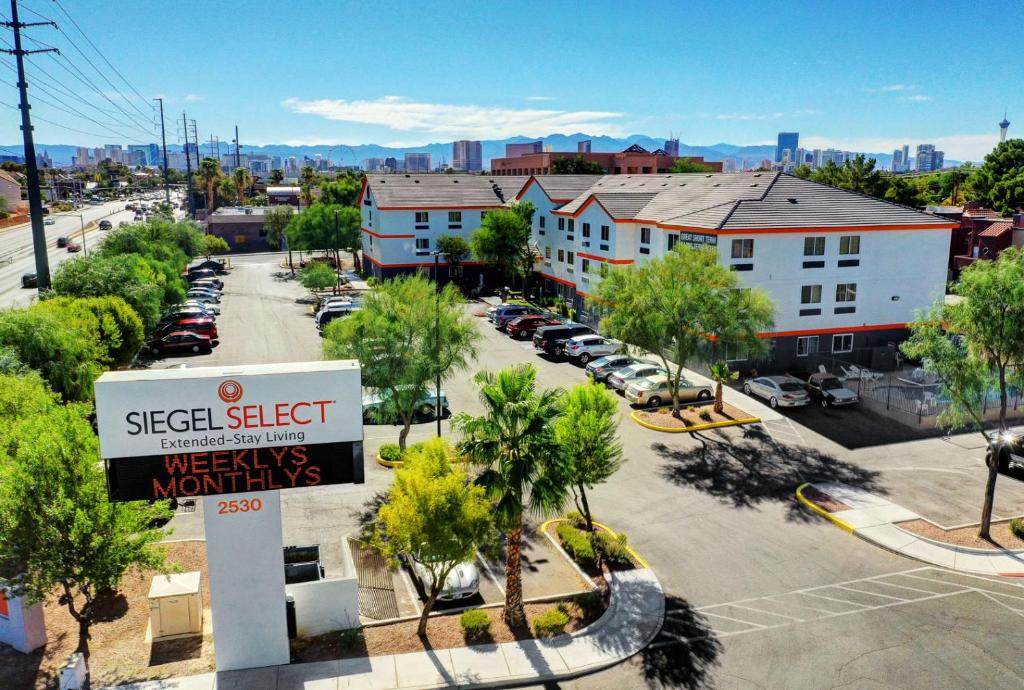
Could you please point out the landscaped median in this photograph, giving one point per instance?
(692, 418)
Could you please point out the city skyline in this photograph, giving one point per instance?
(864, 100)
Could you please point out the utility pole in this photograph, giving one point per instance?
(35, 202)
(188, 169)
(337, 263)
(163, 137)
(238, 158)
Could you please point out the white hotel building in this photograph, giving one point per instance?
(846, 271)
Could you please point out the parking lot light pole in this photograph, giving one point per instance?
(438, 407)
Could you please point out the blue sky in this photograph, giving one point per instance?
(856, 75)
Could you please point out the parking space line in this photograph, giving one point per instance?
(803, 606)
(975, 577)
(873, 594)
(490, 573)
(890, 584)
(840, 601)
(735, 620)
(770, 613)
(962, 587)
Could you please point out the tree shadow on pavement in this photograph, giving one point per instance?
(684, 652)
(756, 469)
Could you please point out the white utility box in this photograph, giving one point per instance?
(175, 605)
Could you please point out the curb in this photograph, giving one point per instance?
(632, 552)
(842, 524)
(695, 427)
(389, 463)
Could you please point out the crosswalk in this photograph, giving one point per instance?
(847, 598)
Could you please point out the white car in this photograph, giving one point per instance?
(653, 391)
(49, 221)
(204, 303)
(462, 582)
(779, 391)
(623, 377)
(588, 347)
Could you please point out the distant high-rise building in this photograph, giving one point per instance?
(391, 163)
(729, 165)
(928, 158)
(467, 155)
(292, 165)
(835, 155)
(897, 161)
(82, 157)
(276, 163)
(671, 147)
(43, 160)
(516, 150)
(372, 164)
(134, 159)
(113, 152)
(98, 154)
(906, 158)
(417, 162)
(787, 140)
(191, 152)
(1003, 126)
(583, 146)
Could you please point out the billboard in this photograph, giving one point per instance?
(178, 433)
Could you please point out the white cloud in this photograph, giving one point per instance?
(893, 88)
(192, 98)
(540, 98)
(918, 98)
(471, 121)
(972, 147)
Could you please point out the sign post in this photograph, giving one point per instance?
(235, 437)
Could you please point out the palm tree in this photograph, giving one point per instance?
(209, 175)
(524, 466)
(276, 176)
(721, 374)
(243, 178)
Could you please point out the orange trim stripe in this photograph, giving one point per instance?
(418, 265)
(438, 208)
(604, 260)
(830, 331)
(559, 280)
(386, 237)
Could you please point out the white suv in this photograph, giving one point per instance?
(588, 347)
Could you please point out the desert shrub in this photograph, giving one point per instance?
(590, 604)
(390, 452)
(705, 415)
(550, 624)
(576, 544)
(1017, 527)
(613, 548)
(576, 519)
(350, 640)
(476, 624)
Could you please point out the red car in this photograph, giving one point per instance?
(74, 247)
(202, 325)
(180, 341)
(524, 326)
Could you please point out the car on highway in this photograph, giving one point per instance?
(62, 241)
(73, 247)
(588, 347)
(828, 390)
(179, 342)
(49, 221)
(105, 225)
(551, 339)
(523, 327)
(779, 391)
(618, 380)
(652, 391)
(29, 279)
(425, 408)
(601, 367)
(204, 325)
(462, 582)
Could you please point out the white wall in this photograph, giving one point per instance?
(325, 605)
(24, 627)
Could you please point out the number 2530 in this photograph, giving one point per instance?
(244, 505)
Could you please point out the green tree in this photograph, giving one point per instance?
(684, 307)
(524, 468)
(989, 324)
(343, 191)
(227, 191)
(803, 171)
(856, 175)
(128, 276)
(212, 244)
(999, 182)
(587, 431)
(504, 240)
(242, 179)
(455, 249)
(686, 165)
(328, 227)
(317, 275)
(23, 394)
(721, 374)
(209, 176)
(58, 529)
(575, 166)
(109, 319)
(903, 191)
(276, 176)
(275, 221)
(405, 336)
(434, 516)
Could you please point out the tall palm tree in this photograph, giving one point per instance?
(209, 175)
(276, 176)
(243, 178)
(524, 467)
(721, 374)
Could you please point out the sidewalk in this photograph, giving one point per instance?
(633, 618)
(873, 519)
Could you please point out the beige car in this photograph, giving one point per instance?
(653, 391)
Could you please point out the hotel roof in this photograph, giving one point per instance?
(417, 191)
(562, 188)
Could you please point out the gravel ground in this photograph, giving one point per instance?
(1002, 537)
(823, 500)
(663, 415)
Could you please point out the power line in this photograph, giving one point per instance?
(70, 129)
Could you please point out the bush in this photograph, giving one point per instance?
(613, 548)
(577, 544)
(476, 624)
(576, 519)
(1017, 527)
(705, 415)
(550, 624)
(390, 452)
(590, 604)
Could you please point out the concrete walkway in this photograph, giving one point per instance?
(633, 618)
(873, 519)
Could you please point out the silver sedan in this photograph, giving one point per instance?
(779, 391)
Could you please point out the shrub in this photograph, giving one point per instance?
(476, 624)
(613, 548)
(372, 281)
(576, 544)
(691, 408)
(1017, 527)
(590, 604)
(550, 624)
(576, 519)
(705, 415)
(390, 452)
(350, 640)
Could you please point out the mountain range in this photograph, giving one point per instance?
(61, 154)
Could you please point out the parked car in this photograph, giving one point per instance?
(29, 280)
(325, 302)
(62, 241)
(551, 339)
(779, 391)
(502, 315)
(523, 327)
(599, 369)
(204, 294)
(204, 325)
(462, 582)
(641, 370)
(426, 407)
(208, 265)
(180, 341)
(1012, 456)
(205, 276)
(208, 307)
(73, 247)
(588, 347)
(829, 390)
(182, 311)
(49, 221)
(105, 225)
(214, 283)
(334, 311)
(653, 391)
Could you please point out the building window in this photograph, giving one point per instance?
(570, 258)
(806, 345)
(455, 216)
(586, 229)
(561, 223)
(849, 244)
(645, 235)
(585, 265)
(673, 240)
(369, 215)
(605, 233)
(370, 238)
(561, 255)
(422, 217)
(743, 249)
(541, 221)
(422, 246)
(810, 294)
(846, 292)
(814, 246)
(572, 225)
(547, 252)
(842, 342)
